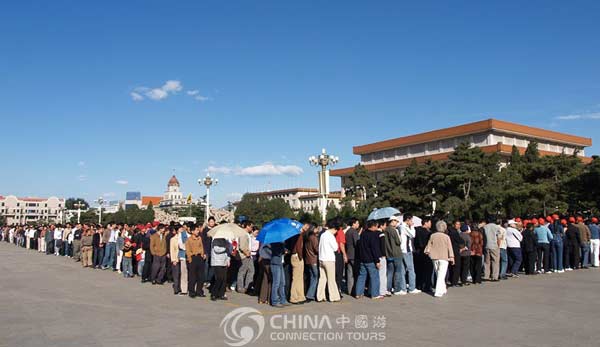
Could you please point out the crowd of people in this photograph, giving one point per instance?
(379, 259)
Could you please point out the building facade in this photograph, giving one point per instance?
(305, 199)
(491, 135)
(30, 210)
(173, 197)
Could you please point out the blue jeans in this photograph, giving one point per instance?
(313, 270)
(109, 254)
(371, 269)
(503, 262)
(556, 251)
(516, 257)
(127, 267)
(278, 288)
(585, 255)
(395, 273)
(140, 267)
(408, 266)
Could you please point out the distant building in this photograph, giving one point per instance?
(173, 197)
(155, 200)
(305, 199)
(111, 206)
(133, 199)
(24, 210)
(491, 135)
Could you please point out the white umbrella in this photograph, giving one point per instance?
(227, 231)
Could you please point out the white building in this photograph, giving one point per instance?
(24, 210)
(173, 197)
(305, 199)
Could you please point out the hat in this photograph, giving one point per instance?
(464, 228)
(148, 225)
(594, 220)
(155, 223)
(541, 220)
(526, 222)
(396, 218)
(550, 219)
(555, 216)
(518, 219)
(579, 219)
(512, 222)
(571, 219)
(563, 221)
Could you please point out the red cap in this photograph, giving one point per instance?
(526, 222)
(148, 225)
(155, 223)
(518, 219)
(555, 216)
(571, 219)
(563, 221)
(541, 221)
(579, 219)
(594, 220)
(550, 219)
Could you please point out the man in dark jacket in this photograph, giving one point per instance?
(351, 245)
(423, 264)
(369, 252)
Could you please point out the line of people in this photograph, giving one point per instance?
(380, 259)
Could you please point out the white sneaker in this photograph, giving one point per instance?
(415, 291)
(402, 292)
(561, 271)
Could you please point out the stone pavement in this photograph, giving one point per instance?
(52, 301)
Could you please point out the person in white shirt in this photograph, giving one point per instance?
(57, 240)
(407, 235)
(327, 248)
(513, 243)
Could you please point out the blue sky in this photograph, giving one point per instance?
(270, 82)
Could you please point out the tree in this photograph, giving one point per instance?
(260, 210)
(317, 217)
(331, 211)
(360, 185)
(70, 203)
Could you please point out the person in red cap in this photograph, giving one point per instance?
(572, 242)
(557, 244)
(584, 235)
(529, 248)
(544, 236)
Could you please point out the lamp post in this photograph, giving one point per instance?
(79, 205)
(100, 202)
(323, 160)
(208, 182)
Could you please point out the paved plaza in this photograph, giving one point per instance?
(52, 301)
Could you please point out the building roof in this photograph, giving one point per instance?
(30, 199)
(332, 195)
(288, 191)
(473, 128)
(173, 181)
(402, 163)
(155, 200)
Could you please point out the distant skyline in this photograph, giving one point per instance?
(101, 98)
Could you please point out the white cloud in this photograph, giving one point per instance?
(82, 178)
(169, 88)
(81, 163)
(109, 195)
(202, 98)
(136, 96)
(193, 92)
(219, 169)
(123, 182)
(266, 169)
(269, 169)
(595, 115)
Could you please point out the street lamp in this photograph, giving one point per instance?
(208, 182)
(79, 205)
(100, 202)
(323, 160)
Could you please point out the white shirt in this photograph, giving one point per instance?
(327, 246)
(113, 236)
(57, 234)
(406, 233)
(513, 238)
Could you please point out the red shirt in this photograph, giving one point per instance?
(340, 237)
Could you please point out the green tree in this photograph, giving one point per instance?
(332, 211)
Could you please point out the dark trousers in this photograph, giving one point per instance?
(543, 256)
(147, 269)
(455, 270)
(158, 267)
(423, 271)
(264, 280)
(514, 260)
(196, 276)
(530, 262)
(98, 256)
(217, 289)
(571, 256)
(176, 273)
(476, 264)
(465, 266)
(339, 270)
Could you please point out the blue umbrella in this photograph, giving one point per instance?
(278, 230)
(383, 213)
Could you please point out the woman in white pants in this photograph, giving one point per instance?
(439, 249)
